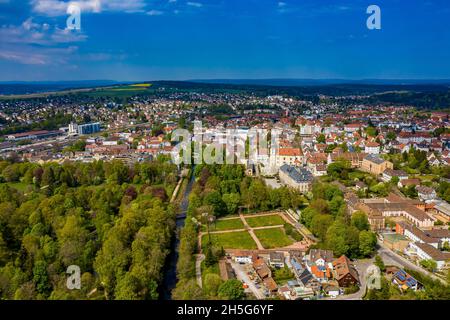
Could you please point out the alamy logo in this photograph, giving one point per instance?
(74, 280)
(74, 19)
(374, 277)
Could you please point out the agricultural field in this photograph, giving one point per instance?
(231, 240)
(273, 238)
(263, 221)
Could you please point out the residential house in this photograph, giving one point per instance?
(405, 281)
(372, 147)
(276, 259)
(426, 193)
(388, 174)
(345, 273)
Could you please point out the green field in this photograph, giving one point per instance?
(232, 240)
(229, 224)
(263, 221)
(273, 238)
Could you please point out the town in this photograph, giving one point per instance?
(352, 199)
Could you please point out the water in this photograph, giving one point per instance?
(170, 270)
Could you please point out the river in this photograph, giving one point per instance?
(170, 269)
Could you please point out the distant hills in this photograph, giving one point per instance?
(423, 94)
(23, 87)
(322, 82)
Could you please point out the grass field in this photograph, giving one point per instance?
(231, 240)
(229, 224)
(273, 238)
(272, 220)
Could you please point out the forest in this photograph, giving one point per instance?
(111, 220)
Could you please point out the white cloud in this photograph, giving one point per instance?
(37, 44)
(37, 55)
(30, 32)
(55, 8)
(195, 4)
(154, 13)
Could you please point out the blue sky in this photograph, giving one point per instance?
(178, 39)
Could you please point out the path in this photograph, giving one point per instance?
(201, 234)
(198, 268)
(252, 234)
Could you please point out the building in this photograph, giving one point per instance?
(375, 165)
(295, 177)
(276, 259)
(344, 272)
(388, 174)
(404, 281)
(372, 148)
(408, 182)
(34, 135)
(321, 257)
(88, 128)
(442, 211)
(426, 193)
(434, 237)
(398, 208)
(243, 257)
(290, 156)
(73, 129)
(425, 251)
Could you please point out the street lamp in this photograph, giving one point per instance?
(209, 219)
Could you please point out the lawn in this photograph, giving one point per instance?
(273, 238)
(272, 220)
(228, 224)
(231, 240)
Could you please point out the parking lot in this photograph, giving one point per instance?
(245, 273)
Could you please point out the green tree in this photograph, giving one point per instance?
(320, 224)
(367, 243)
(211, 284)
(360, 221)
(429, 264)
(231, 201)
(231, 290)
(41, 278)
(380, 263)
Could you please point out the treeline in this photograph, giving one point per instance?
(51, 122)
(225, 188)
(89, 215)
(75, 174)
(329, 221)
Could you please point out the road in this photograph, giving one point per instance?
(361, 266)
